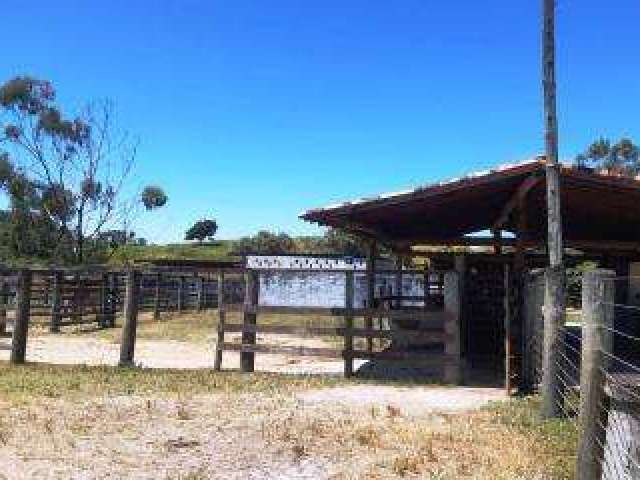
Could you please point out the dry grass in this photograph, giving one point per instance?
(197, 424)
(502, 442)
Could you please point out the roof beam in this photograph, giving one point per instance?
(525, 187)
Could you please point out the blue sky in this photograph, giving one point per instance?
(252, 111)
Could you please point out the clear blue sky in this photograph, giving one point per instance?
(251, 111)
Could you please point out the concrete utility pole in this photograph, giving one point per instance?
(555, 279)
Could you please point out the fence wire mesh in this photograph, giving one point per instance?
(593, 367)
(619, 420)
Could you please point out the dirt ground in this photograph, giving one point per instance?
(319, 434)
(94, 350)
(352, 431)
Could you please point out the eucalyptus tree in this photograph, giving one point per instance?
(65, 174)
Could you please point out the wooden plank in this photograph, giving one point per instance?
(417, 315)
(286, 350)
(437, 335)
(426, 358)
(318, 311)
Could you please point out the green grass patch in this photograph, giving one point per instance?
(36, 381)
(217, 250)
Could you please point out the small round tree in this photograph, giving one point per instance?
(201, 230)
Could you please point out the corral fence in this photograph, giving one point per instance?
(66, 297)
(60, 298)
(383, 315)
(587, 368)
(422, 327)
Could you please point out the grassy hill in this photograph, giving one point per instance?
(217, 250)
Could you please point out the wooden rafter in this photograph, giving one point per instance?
(518, 197)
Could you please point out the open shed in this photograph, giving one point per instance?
(600, 217)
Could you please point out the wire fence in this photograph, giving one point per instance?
(617, 436)
(587, 367)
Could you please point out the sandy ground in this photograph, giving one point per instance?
(320, 434)
(91, 350)
(333, 433)
(412, 401)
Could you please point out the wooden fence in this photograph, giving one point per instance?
(61, 298)
(438, 328)
(64, 297)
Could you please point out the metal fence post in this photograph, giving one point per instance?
(348, 324)
(247, 358)
(21, 328)
(554, 309)
(598, 292)
(128, 345)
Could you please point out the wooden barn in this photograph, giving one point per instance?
(491, 228)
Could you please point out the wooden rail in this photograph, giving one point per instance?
(74, 297)
(438, 331)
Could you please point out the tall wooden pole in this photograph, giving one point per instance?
(551, 136)
(555, 278)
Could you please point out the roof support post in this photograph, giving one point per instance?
(371, 288)
(497, 241)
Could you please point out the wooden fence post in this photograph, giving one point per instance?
(348, 324)
(217, 363)
(397, 303)
(554, 302)
(156, 299)
(200, 297)
(508, 338)
(453, 366)
(56, 302)
(530, 316)
(112, 293)
(598, 294)
(76, 313)
(104, 301)
(180, 294)
(21, 328)
(247, 359)
(371, 290)
(128, 345)
(4, 300)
